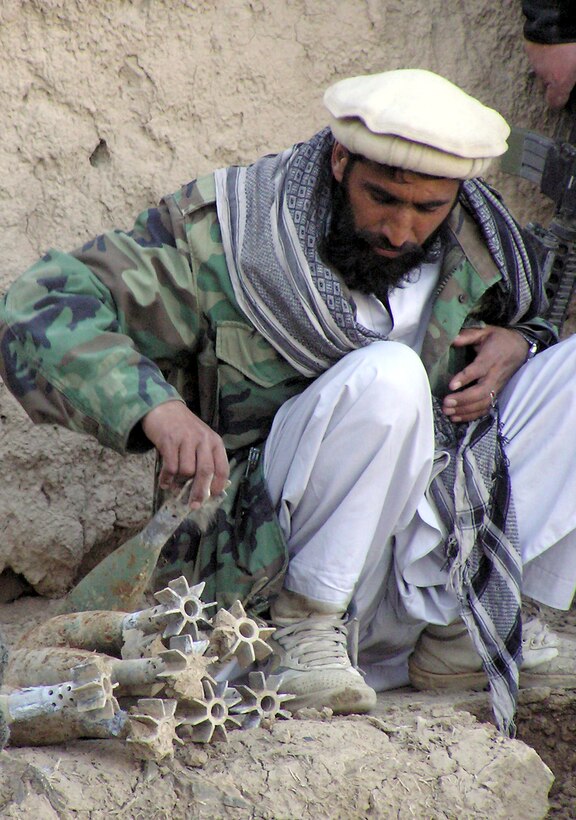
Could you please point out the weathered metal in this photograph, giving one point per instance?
(94, 689)
(121, 579)
(65, 725)
(148, 676)
(260, 700)
(235, 635)
(187, 685)
(39, 701)
(138, 645)
(86, 665)
(83, 706)
(203, 720)
(94, 631)
(181, 609)
(172, 671)
(151, 729)
(50, 666)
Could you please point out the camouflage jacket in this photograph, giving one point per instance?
(96, 338)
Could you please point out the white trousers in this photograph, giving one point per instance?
(348, 462)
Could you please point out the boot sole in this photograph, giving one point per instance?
(477, 681)
(531, 680)
(421, 680)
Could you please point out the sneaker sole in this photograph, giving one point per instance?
(350, 701)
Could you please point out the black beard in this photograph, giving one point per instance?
(354, 257)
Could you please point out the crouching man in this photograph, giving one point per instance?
(347, 331)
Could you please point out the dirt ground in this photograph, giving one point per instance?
(421, 755)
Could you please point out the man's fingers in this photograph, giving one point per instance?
(187, 460)
(469, 413)
(172, 469)
(178, 462)
(470, 404)
(557, 95)
(466, 377)
(469, 336)
(499, 353)
(203, 475)
(555, 66)
(207, 466)
(221, 471)
(188, 449)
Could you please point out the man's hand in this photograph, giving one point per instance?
(499, 353)
(555, 66)
(187, 447)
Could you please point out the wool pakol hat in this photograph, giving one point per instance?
(417, 120)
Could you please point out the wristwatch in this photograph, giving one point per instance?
(532, 350)
(532, 344)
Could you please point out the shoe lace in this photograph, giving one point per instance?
(315, 643)
(538, 635)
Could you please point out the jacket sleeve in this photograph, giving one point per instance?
(550, 21)
(83, 335)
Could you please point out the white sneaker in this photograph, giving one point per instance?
(445, 658)
(312, 657)
(549, 659)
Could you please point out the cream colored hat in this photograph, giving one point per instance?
(417, 120)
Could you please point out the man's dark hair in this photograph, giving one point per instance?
(393, 172)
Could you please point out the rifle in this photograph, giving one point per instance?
(551, 163)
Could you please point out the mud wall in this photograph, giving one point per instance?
(107, 106)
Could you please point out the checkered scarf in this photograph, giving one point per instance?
(273, 215)
(473, 497)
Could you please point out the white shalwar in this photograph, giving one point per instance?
(348, 463)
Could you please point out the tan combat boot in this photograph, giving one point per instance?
(445, 658)
(310, 652)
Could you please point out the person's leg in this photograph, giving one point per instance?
(538, 423)
(538, 415)
(347, 463)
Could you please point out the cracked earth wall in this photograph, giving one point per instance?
(108, 106)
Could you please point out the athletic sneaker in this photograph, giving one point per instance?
(311, 654)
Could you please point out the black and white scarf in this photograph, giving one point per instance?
(272, 216)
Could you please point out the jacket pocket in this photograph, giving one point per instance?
(247, 351)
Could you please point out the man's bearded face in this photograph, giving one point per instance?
(353, 254)
(383, 223)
